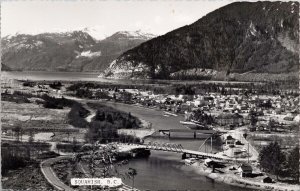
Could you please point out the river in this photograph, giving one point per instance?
(164, 170)
(93, 77)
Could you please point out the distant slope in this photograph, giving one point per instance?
(68, 51)
(242, 37)
(114, 46)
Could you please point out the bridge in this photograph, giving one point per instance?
(177, 148)
(200, 133)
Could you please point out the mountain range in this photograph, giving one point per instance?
(77, 51)
(239, 38)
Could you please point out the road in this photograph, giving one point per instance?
(46, 169)
(238, 134)
(50, 174)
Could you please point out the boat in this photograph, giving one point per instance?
(187, 123)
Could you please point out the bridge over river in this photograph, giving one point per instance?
(192, 133)
(177, 148)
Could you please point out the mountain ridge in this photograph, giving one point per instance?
(241, 37)
(63, 51)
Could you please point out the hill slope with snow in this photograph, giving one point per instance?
(66, 51)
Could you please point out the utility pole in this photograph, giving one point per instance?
(211, 144)
(248, 152)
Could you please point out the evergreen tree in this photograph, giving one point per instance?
(109, 118)
(253, 118)
(271, 158)
(293, 164)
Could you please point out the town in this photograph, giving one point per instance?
(250, 124)
(150, 95)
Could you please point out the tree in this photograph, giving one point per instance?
(132, 173)
(272, 125)
(86, 93)
(253, 118)
(293, 164)
(31, 137)
(101, 95)
(100, 116)
(99, 159)
(294, 127)
(74, 144)
(109, 118)
(271, 158)
(18, 132)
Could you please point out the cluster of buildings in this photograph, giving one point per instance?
(228, 111)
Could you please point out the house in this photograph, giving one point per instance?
(213, 164)
(230, 119)
(229, 140)
(245, 170)
(288, 118)
(199, 101)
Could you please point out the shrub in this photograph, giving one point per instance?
(77, 116)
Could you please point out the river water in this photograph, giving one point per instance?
(165, 170)
(88, 76)
(162, 170)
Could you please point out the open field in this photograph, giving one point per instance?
(38, 122)
(32, 115)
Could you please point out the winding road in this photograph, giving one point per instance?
(50, 174)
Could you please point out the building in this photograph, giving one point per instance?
(229, 140)
(245, 170)
(230, 119)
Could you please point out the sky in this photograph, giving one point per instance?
(102, 16)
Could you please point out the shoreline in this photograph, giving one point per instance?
(35, 76)
(243, 183)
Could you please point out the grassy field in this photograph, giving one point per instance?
(32, 115)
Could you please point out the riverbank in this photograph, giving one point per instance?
(233, 178)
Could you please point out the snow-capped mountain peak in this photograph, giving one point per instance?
(134, 35)
(137, 34)
(97, 32)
